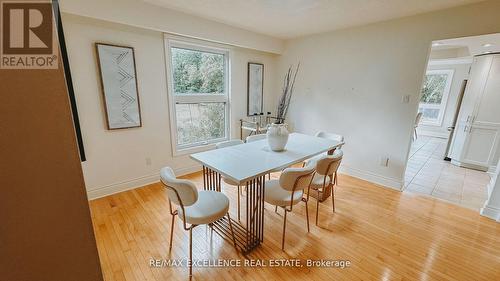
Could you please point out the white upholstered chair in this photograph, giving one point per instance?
(193, 207)
(289, 191)
(253, 138)
(226, 180)
(326, 169)
(330, 136)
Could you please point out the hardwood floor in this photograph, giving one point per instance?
(385, 234)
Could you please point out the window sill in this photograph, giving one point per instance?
(191, 150)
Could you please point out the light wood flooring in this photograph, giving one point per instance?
(385, 234)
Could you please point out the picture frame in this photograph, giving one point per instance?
(120, 92)
(255, 88)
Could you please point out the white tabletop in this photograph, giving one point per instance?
(246, 161)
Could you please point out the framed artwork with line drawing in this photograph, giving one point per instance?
(119, 86)
(255, 89)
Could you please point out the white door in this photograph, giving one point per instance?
(477, 136)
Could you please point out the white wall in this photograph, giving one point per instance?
(352, 82)
(461, 72)
(116, 160)
(140, 14)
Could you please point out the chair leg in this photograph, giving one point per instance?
(238, 202)
(276, 208)
(335, 180)
(283, 236)
(307, 215)
(232, 232)
(269, 175)
(172, 232)
(190, 251)
(333, 199)
(317, 208)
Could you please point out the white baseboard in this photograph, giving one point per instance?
(491, 212)
(372, 177)
(110, 189)
(188, 170)
(107, 190)
(469, 166)
(492, 170)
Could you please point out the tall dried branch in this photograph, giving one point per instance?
(287, 92)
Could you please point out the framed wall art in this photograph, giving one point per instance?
(255, 89)
(119, 86)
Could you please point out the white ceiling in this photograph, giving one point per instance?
(475, 44)
(293, 18)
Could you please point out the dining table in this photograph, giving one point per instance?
(247, 164)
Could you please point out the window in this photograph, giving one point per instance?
(435, 92)
(198, 92)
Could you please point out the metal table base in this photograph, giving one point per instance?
(250, 235)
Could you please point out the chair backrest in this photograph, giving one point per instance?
(186, 189)
(256, 137)
(330, 136)
(227, 143)
(298, 178)
(329, 164)
(417, 119)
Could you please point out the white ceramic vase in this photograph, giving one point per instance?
(277, 136)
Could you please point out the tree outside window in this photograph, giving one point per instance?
(435, 90)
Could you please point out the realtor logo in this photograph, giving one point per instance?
(28, 40)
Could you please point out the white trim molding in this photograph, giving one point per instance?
(118, 187)
(383, 181)
(490, 212)
(491, 208)
(130, 184)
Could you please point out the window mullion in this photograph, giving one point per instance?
(200, 98)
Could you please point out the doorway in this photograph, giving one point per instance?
(452, 151)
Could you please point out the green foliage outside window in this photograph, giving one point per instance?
(433, 89)
(197, 72)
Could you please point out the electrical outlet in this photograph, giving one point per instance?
(384, 161)
(405, 99)
(148, 161)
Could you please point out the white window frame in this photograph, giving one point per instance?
(172, 41)
(444, 99)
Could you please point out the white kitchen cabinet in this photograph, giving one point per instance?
(476, 137)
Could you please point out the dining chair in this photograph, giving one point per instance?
(415, 126)
(288, 191)
(193, 207)
(227, 180)
(323, 179)
(330, 136)
(258, 137)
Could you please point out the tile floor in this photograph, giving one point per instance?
(427, 173)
